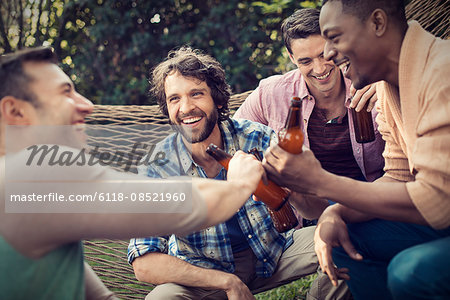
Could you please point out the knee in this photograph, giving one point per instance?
(403, 273)
(399, 272)
(163, 292)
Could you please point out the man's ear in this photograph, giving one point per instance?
(15, 111)
(378, 22)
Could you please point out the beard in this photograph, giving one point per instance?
(204, 132)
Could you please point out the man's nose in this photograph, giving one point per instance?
(319, 66)
(83, 104)
(329, 52)
(186, 105)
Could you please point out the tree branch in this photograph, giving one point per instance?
(20, 43)
(6, 43)
(37, 34)
(49, 9)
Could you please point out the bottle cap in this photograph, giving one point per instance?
(296, 101)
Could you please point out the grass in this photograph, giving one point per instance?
(292, 291)
(115, 253)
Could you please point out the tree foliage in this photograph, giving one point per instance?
(109, 46)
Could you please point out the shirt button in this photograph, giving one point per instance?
(358, 150)
(249, 236)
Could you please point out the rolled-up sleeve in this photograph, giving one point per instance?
(141, 246)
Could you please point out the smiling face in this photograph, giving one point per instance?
(321, 75)
(57, 101)
(191, 107)
(352, 45)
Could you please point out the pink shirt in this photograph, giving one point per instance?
(269, 104)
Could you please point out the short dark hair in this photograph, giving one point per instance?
(363, 8)
(301, 24)
(13, 80)
(192, 63)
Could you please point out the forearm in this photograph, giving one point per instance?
(223, 198)
(160, 268)
(347, 214)
(212, 202)
(309, 206)
(385, 198)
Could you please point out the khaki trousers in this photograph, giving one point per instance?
(297, 261)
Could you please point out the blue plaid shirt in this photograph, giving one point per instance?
(211, 248)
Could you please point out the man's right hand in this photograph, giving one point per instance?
(332, 232)
(236, 289)
(246, 169)
(365, 96)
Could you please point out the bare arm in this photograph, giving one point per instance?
(222, 199)
(387, 198)
(309, 206)
(160, 268)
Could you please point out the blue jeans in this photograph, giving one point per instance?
(421, 272)
(379, 241)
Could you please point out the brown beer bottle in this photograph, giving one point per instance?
(290, 139)
(362, 121)
(284, 218)
(271, 194)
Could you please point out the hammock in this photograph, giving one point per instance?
(108, 258)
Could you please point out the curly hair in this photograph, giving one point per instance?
(192, 63)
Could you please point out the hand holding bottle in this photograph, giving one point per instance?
(363, 99)
(361, 108)
(245, 168)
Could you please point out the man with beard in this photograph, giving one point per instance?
(41, 253)
(244, 255)
(405, 256)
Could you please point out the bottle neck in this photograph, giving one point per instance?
(218, 154)
(293, 120)
(294, 116)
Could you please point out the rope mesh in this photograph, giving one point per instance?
(109, 257)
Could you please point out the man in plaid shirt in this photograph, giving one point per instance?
(244, 255)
